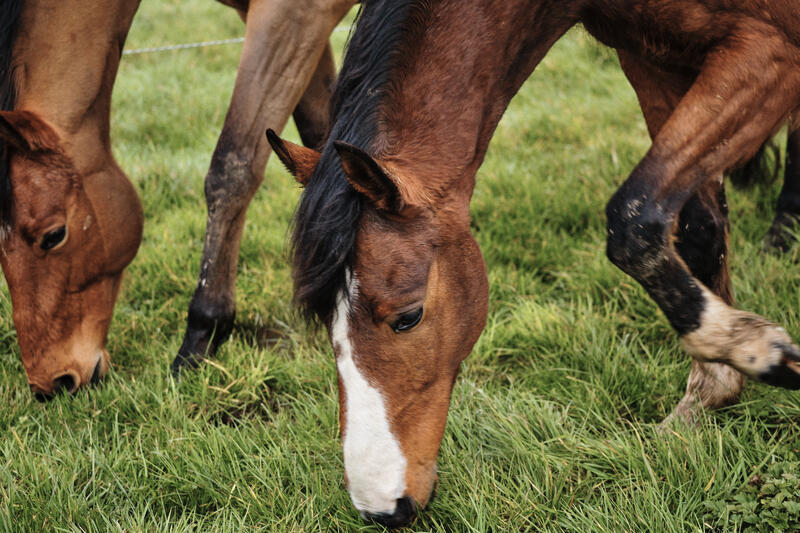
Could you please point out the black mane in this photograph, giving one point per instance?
(327, 216)
(9, 20)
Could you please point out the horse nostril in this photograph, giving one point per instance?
(96, 373)
(66, 382)
(403, 514)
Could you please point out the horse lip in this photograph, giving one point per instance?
(102, 356)
(96, 373)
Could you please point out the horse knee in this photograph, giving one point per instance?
(636, 234)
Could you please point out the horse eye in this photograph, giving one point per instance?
(53, 238)
(406, 321)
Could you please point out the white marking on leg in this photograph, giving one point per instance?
(374, 463)
(746, 341)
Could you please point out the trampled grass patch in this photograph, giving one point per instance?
(552, 425)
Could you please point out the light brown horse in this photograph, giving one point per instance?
(383, 253)
(70, 221)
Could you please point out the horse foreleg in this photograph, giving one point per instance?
(722, 119)
(780, 235)
(701, 236)
(701, 240)
(284, 41)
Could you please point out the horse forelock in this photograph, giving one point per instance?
(327, 216)
(9, 21)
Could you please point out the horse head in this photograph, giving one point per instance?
(66, 239)
(414, 303)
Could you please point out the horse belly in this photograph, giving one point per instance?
(669, 33)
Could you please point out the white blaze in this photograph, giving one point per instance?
(374, 463)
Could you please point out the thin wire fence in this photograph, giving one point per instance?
(185, 46)
(202, 44)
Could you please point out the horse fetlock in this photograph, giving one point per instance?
(753, 345)
(207, 328)
(216, 320)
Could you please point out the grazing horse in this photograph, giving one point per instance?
(70, 221)
(286, 68)
(263, 94)
(382, 249)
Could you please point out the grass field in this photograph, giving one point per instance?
(552, 424)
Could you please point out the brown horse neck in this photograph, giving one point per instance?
(80, 49)
(453, 81)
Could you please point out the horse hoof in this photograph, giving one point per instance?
(781, 235)
(204, 335)
(785, 374)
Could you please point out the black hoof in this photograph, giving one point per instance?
(405, 511)
(787, 374)
(781, 235)
(205, 333)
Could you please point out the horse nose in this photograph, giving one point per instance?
(403, 513)
(64, 382)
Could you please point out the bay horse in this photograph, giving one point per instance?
(263, 93)
(70, 221)
(383, 254)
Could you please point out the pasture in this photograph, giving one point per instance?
(553, 419)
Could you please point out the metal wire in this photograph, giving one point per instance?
(202, 44)
(182, 46)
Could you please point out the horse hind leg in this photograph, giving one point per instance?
(284, 42)
(781, 234)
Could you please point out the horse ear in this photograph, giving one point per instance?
(370, 178)
(298, 160)
(27, 132)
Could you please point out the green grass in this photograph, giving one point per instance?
(552, 424)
